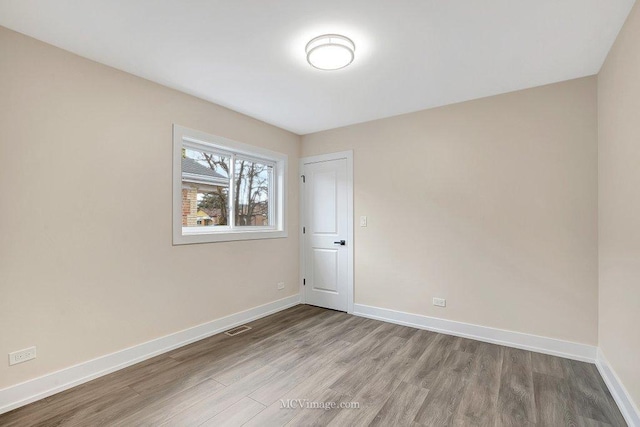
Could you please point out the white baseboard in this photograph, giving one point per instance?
(38, 388)
(618, 391)
(29, 391)
(555, 347)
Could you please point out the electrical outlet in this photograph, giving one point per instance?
(440, 302)
(363, 221)
(280, 286)
(22, 355)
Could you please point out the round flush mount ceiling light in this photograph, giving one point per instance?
(330, 52)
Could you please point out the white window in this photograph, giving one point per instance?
(225, 190)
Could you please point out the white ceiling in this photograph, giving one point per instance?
(248, 55)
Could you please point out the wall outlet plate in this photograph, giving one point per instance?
(22, 355)
(281, 286)
(440, 302)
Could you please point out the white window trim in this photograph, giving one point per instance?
(218, 144)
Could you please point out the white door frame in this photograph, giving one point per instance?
(348, 155)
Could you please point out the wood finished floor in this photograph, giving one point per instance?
(399, 375)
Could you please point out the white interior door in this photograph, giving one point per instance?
(326, 234)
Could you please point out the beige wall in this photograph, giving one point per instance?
(490, 204)
(86, 261)
(619, 205)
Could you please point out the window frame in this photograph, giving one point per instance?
(192, 139)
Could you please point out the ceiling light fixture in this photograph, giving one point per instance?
(330, 52)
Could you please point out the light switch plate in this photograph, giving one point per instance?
(363, 221)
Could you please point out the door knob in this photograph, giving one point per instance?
(341, 243)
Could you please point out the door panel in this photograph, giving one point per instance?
(324, 214)
(326, 223)
(325, 270)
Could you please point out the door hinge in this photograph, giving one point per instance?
(304, 282)
(304, 179)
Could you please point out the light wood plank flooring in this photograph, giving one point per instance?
(398, 376)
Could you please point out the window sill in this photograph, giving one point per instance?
(201, 236)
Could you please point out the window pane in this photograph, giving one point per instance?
(252, 187)
(205, 189)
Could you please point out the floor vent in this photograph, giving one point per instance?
(237, 330)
